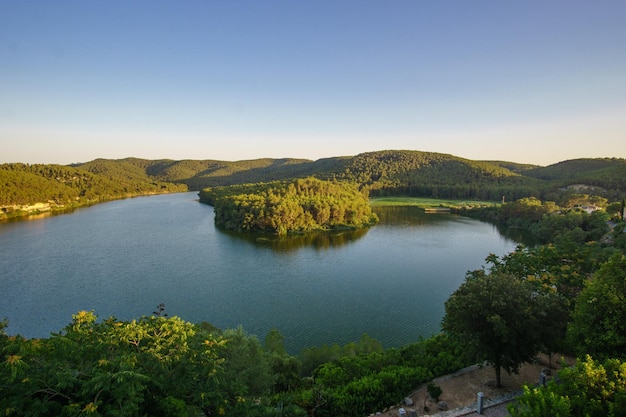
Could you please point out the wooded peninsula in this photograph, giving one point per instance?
(298, 206)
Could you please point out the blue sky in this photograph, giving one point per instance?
(530, 81)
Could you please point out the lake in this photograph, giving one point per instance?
(125, 257)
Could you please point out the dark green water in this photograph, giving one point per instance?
(123, 258)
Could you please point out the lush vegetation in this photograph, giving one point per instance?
(570, 291)
(164, 366)
(600, 176)
(589, 388)
(576, 217)
(302, 205)
(418, 174)
(153, 365)
(59, 187)
(504, 320)
(382, 173)
(566, 295)
(598, 325)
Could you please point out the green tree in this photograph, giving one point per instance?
(275, 342)
(587, 389)
(539, 402)
(598, 327)
(246, 365)
(501, 319)
(285, 368)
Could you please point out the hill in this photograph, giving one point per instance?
(513, 166)
(391, 172)
(387, 172)
(30, 189)
(599, 175)
(429, 174)
(381, 173)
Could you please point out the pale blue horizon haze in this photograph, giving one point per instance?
(531, 82)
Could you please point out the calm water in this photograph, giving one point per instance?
(123, 258)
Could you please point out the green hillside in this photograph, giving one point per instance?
(428, 174)
(513, 166)
(59, 187)
(211, 173)
(392, 172)
(382, 173)
(600, 175)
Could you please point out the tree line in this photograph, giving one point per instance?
(576, 217)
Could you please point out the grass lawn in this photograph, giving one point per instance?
(428, 202)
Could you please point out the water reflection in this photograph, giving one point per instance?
(408, 215)
(523, 236)
(315, 240)
(415, 216)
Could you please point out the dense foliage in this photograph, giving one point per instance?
(410, 173)
(502, 319)
(570, 291)
(570, 219)
(598, 327)
(62, 187)
(154, 365)
(302, 205)
(600, 176)
(163, 366)
(584, 267)
(354, 386)
(427, 174)
(384, 173)
(588, 389)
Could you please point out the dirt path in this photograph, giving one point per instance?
(461, 389)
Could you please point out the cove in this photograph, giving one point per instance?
(125, 257)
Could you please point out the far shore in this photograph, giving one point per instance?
(430, 203)
(35, 211)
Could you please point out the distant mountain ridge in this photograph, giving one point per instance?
(369, 169)
(391, 172)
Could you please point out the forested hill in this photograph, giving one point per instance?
(603, 173)
(396, 172)
(430, 174)
(29, 189)
(393, 172)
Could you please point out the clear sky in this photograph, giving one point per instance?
(525, 81)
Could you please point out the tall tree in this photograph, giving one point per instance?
(599, 320)
(500, 317)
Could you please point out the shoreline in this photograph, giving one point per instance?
(40, 210)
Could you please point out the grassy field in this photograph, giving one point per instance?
(428, 202)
